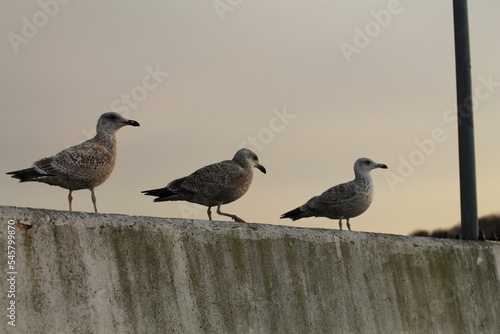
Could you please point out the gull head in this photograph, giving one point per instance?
(364, 165)
(112, 121)
(248, 159)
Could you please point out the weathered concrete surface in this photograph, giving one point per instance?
(94, 273)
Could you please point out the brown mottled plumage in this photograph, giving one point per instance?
(83, 166)
(343, 201)
(213, 185)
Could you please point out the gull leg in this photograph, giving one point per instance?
(348, 225)
(234, 217)
(209, 212)
(94, 200)
(340, 224)
(70, 200)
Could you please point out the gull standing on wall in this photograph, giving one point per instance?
(343, 201)
(83, 166)
(213, 185)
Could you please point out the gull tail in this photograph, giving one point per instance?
(25, 175)
(294, 214)
(162, 194)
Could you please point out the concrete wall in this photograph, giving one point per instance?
(95, 273)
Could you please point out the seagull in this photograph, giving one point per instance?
(343, 201)
(213, 185)
(83, 166)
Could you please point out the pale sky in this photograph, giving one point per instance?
(309, 85)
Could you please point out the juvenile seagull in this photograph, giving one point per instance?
(83, 166)
(213, 185)
(342, 201)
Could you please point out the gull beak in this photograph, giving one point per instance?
(132, 122)
(261, 168)
(382, 166)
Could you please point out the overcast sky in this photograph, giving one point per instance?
(309, 85)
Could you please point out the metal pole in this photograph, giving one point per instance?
(468, 196)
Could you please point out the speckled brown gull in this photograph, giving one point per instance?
(83, 166)
(343, 201)
(213, 185)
